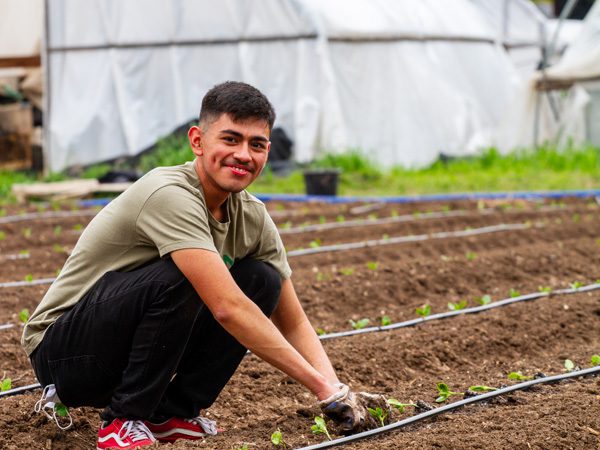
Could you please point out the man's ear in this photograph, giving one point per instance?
(195, 135)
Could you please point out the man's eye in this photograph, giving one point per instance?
(259, 145)
(229, 139)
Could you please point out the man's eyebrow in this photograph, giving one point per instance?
(240, 135)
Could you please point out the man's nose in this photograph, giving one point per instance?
(243, 152)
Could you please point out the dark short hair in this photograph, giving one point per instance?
(239, 100)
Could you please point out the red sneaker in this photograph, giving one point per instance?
(178, 428)
(124, 434)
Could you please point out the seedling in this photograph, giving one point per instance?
(385, 237)
(277, 439)
(417, 214)
(471, 256)
(514, 293)
(399, 405)
(61, 410)
(546, 289)
(518, 376)
(24, 252)
(321, 276)
(340, 218)
(29, 278)
(576, 218)
(569, 365)
(372, 265)
(243, 447)
(24, 315)
(322, 219)
(2, 235)
(484, 300)
(315, 243)
(26, 232)
(575, 284)
(385, 320)
(445, 393)
(482, 388)
(372, 217)
(77, 227)
(378, 414)
(286, 225)
(5, 384)
(457, 306)
(424, 310)
(320, 428)
(347, 271)
(57, 248)
(595, 361)
(394, 213)
(359, 324)
(320, 331)
(2, 212)
(57, 230)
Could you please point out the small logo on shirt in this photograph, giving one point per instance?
(228, 261)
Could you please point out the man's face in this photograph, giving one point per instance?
(230, 155)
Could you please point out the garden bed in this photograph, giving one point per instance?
(557, 247)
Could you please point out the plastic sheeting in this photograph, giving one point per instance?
(402, 80)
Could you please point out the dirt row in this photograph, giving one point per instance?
(406, 364)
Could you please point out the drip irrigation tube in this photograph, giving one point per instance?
(6, 326)
(20, 390)
(472, 310)
(521, 195)
(452, 406)
(45, 215)
(415, 238)
(350, 246)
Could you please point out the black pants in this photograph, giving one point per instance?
(143, 345)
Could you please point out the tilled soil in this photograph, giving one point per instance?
(559, 247)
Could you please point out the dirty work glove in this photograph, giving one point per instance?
(349, 410)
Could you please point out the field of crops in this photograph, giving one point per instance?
(363, 265)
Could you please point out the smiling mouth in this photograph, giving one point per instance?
(238, 170)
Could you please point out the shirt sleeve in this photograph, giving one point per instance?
(270, 248)
(173, 218)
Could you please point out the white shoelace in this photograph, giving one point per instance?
(136, 430)
(47, 403)
(209, 426)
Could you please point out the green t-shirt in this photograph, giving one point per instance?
(162, 212)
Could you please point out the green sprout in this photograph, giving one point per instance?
(57, 230)
(482, 388)
(286, 225)
(322, 219)
(424, 310)
(394, 213)
(2, 235)
(57, 248)
(445, 393)
(513, 293)
(77, 227)
(569, 365)
(372, 265)
(277, 439)
(359, 324)
(320, 331)
(24, 315)
(61, 410)
(399, 405)
(457, 306)
(347, 271)
(378, 414)
(546, 289)
(27, 232)
(471, 256)
(484, 300)
(320, 427)
(518, 376)
(316, 243)
(24, 252)
(29, 278)
(595, 361)
(372, 217)
(575, 284)
(5, 384)
(385, 320)
(340, 218)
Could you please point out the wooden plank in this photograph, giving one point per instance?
(21, 61)
(63, 190)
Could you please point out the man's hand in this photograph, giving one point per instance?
(349, 410)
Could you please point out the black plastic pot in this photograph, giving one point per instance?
(321, 181)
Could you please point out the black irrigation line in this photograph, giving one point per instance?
(393, 326)
(46, 215)
(349, 246)
(452, 406)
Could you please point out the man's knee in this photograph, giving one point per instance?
(259, 281)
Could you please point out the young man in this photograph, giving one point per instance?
(171, 283)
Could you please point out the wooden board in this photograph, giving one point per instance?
(63, 190)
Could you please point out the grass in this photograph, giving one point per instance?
(543, 169)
